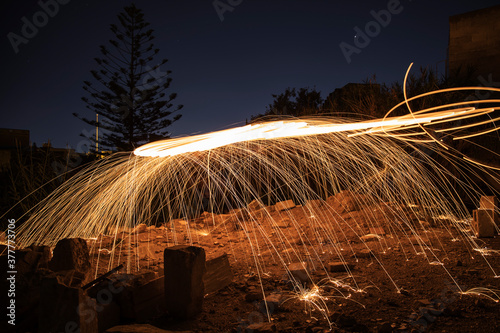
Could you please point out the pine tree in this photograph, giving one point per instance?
(131, 100)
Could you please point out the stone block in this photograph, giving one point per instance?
(184, 288)
(488, 202)
(491, 202)
(218, 274)
(483, 223)
(284, 205)
(65, 309)
(71, 254)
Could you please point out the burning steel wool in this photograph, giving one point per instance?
(310, 192)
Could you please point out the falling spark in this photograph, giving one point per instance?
(380, 163)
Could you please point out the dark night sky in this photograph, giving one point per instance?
(223, 71)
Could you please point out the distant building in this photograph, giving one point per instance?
(14, 138)
(474, 44)
(10, 141)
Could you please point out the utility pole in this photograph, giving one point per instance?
(97, 133)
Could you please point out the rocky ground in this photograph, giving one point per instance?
(375, 277)
(338, 265)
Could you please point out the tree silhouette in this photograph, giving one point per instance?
(131, 97)
(293, 102)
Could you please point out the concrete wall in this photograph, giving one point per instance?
(475, 41)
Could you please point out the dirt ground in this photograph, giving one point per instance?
(375, 277)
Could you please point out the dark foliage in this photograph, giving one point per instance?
(131, 96)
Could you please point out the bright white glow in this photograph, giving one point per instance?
(284, 129)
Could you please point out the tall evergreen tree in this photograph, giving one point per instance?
(131, 97)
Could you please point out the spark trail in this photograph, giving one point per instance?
(346, 177)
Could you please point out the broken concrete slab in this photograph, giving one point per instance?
(184, 288)
(284, 205)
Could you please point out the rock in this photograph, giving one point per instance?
(64, 309)
(184, 289)
(284, 205)
(140, 228)
(71, 254)
(339, 266)
(364, 253)
(370, 237)
(298, 271)
(45, 255)
(261, 328)
(26, 260)
(345, 202)
(273, 301)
